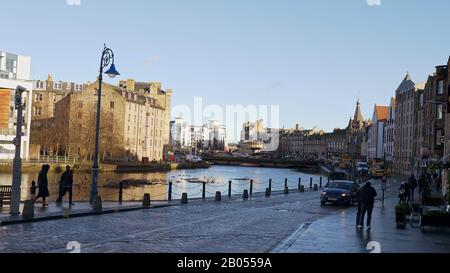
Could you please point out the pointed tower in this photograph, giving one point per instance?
(358, 116)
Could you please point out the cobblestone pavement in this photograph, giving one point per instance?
(233, 225)
(337, 234)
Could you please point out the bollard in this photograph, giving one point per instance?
(204, 191)
(28, 210)
(268, 192)
(245, 195)
(251, 187)
(316, 188)
(169, 198)
(184, 198)
(311, 183)
(147, 202)
(229, 188)
(218, 196)
(120, 191)
(286, 190)
(270, 185)
(321, 182)
(97, 204)
(285, 182)
(299, 183)
(302, 188)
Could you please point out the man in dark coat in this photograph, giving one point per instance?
(66, 185)
(412, 185)
(368, 194)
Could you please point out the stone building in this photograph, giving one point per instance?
(357, 135)
(404, 159)
(314, 145)
(389, 135)
(47, 93)
(133, 124)
(336, 143)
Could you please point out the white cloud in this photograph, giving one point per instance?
(374, 2)
(73, 2)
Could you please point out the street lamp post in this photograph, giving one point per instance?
(17, 163)
(107, 59)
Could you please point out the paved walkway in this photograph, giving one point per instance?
(337, 234)
(54, 211)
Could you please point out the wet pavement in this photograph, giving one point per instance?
(338, 234)
(233, 225)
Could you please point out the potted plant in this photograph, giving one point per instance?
(401, 211)
(436, 218)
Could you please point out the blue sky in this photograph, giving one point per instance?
(310, 57)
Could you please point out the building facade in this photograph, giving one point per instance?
(404, 159)
(357, 135)
(180, 135)
(375, 140)
(14, 71)
(336, 143)
(389, 135)
(133, 125)
(48, 92)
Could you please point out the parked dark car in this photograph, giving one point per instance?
(340, 192)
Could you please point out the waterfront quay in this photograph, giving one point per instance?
(293, 223)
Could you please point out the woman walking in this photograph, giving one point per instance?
(43, 184)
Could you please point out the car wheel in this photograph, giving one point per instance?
(322, 203)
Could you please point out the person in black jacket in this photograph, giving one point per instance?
(43, 185)
(368, 194)
(66, 185)
(412, 185)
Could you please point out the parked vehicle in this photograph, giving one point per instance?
(340, 192)
(377, 170)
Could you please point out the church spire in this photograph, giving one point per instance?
(358, 116)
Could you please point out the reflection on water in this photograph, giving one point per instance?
(218, 175)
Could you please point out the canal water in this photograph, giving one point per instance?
(182, 181)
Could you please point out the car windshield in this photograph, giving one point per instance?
(340, 185)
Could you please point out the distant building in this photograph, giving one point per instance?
(357, 135)
(375, 140)
(389, 136)
(48, 92)
(14, 71)
(180, 135)
(336, 143)
(404, 159)
(255, 138)
(133, 124)
(208, 137)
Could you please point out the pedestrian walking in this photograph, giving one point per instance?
(33, 190)
(43, 184)
(412, 181)
(66, 186)
(421, 185)
(368, 194)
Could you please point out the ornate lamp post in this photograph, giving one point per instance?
(107, 59)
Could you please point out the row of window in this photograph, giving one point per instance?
(59, 86)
